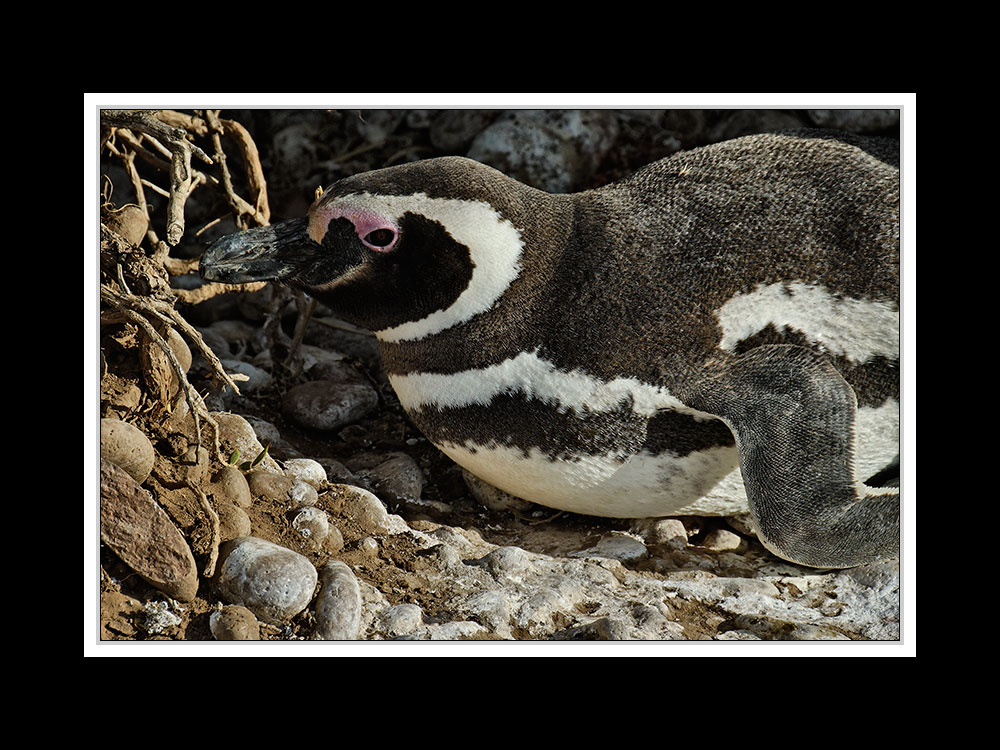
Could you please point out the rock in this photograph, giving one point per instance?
(273, 582)
(143, 536)
(491, 608)
(397, 479)
(235, 433)
(617, 546)
(401, 619)
(743, 523)
(118, 614)
(721, 540)
(312, 524)
(449, 631)
(419, 119)
(738, 122)
(234, 623)
(369, 512)
(230, 485)
(180, 349)
(334, 540)
(453, 130)
(308, 470)
(257, 379)
(367, 546)
(376, 125)
(129, 222)
(280, 489)
(227, 336)
(158, 372)
(159, 618)
(328, 405)
(510, 562)
(127, 447)
(338, 605)
(336, 472)
(553, 150)
(268, 435)
(233, 521)
(669, 532)
(324, 364)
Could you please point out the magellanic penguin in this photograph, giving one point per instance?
(719, 330)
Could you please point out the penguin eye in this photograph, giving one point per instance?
(380, 239)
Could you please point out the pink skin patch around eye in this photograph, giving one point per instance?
(365, 222)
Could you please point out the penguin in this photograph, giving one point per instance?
(715, 334)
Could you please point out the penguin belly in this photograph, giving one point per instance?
(620, 449)
(639, 486)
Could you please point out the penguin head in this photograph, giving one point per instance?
(402, 251)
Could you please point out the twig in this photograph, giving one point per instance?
(240, 207)
(208, 226)
(180, 266)
(342, 326)
(213, 521)
(255, 172)
(207, 291)
(306, 306)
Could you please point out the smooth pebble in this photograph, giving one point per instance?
(234, 623)
(127, 447)
(338, 605)
(274, 582)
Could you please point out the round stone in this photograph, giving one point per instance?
(312, 524)
(338, 605)
(306, 469)
(234, 623)
(273, 582)
(127, 447)
(328, 405)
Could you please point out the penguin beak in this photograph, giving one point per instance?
(271, 253)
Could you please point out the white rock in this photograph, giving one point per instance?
(722, 540)
(338, 606)
(402, 619)
(368, 511)
(307, 470)
(312, 524)
(617, 546)
(669, 532)
(273, 582)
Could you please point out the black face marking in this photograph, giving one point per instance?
(425, 271)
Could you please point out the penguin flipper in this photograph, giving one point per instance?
(793, 417)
